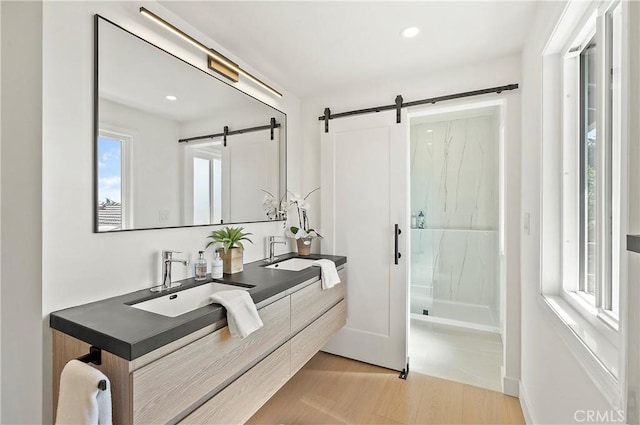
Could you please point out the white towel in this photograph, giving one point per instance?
(329, 273)
(80, 400)
(242, 314)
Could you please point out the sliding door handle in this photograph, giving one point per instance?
(396, 255)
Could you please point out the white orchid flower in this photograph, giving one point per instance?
(268, 202)
(304, 205)
(297, 220)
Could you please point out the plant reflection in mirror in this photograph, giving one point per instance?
(275, 210)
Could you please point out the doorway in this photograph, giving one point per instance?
(457, 265)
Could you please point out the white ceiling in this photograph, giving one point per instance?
(315, 46)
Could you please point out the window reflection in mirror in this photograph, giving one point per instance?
(202, 193)
(113, 173)
(148, 102)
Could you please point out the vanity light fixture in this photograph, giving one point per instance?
(410, 32)
(215, 61)
(171, 97)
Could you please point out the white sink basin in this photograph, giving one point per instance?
(292, 264)
(177, 303)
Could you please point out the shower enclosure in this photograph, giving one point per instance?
(455, 208)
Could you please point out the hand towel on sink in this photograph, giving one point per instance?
(328, 273)
(80, 400)
(242, 314)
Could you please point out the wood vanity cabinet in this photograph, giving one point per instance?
(210, 377)
(242, 398)
(165, 388)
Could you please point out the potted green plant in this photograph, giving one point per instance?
(231, 250)
(298, 223)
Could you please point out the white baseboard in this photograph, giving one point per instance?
(528, 419)
(510, 386)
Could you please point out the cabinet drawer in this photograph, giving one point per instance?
(162, 390)
(308, 342)
(241, 399)
(310, 302)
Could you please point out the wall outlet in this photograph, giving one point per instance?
(163, 215)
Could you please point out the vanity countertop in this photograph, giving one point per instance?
(129, 333)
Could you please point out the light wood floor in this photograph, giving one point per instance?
(335, 390)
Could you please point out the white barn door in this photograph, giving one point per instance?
(364, 192)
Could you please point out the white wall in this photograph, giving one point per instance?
(77, 265)
(633, 273)
(0, 215)
(21, 201)
(471, 77)
(554, 386)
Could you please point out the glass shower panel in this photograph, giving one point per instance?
(454, 184)
(453, 275)
(421, 298)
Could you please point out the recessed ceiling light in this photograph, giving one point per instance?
(171, 97)
(410, 32)
(429, 131)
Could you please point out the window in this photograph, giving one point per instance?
(592, 135)
(588, 170)
(584, 186)
(114, 205)
(618, 226)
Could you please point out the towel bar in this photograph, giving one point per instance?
(95, 357)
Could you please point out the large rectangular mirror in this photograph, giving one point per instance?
(162, 158)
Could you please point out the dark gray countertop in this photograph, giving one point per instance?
(633, 243)
(128, 332)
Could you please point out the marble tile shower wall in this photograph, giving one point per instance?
(453, 265)
(454, 182)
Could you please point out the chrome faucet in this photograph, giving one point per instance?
(167, 260)
(272, 241)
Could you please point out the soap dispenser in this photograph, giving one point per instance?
(420, 220)
(216, 267)
(201, 266)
